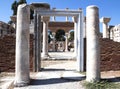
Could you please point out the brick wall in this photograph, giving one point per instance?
(7, 53)
(110, 54)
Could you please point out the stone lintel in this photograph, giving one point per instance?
(45, 18)
(74, 18)
(40, 5)
(105, 19)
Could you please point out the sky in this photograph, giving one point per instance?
(107, 8)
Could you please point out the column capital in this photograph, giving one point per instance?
(45, 18)
(105, 20)
(75, 19)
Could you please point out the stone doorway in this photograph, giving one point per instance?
(43, 16)
(22, 39)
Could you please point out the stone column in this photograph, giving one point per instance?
(53, 42)
(54, 16)
(22, 77)
(66, 42)
(37, 34)
(80, 52)
(45, 37)
(67, 16)
(75, 20)
(93, 46)
(105, 21)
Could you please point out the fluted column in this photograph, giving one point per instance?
(22, 77)
(93, 46)
(105, 21)
(45, 37)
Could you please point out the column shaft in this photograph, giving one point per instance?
(75, 39)
(45, 39)
(54, 42)
(22, 46)
(105, 30)
(80, 52)
(66, 43)
(93, 47)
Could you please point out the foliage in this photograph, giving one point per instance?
(21, 2)
(100, 85)
(60, 35)
(15, 4)
(71, 37)
(14, 7)
(49, 36)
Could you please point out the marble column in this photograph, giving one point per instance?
(45, 37)
(75, 20)
(105, 21)
(53, 42)
(80, 43)
(93, 46)
(66, 42)
(37, 34)
(67, 16)
(53, 18)
(22, 76)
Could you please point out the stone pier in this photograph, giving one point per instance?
(93, 47)
(105, 21)
(45, 37)
(37, 34)
(22, 77)
(75, 20)
(66, 42)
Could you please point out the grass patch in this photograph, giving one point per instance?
(101, 85)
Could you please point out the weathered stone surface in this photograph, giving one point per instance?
(22, 77)
(105, 21)
(93, 47)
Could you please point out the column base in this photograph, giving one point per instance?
(21, 84)
(45, 56)
(66, 51)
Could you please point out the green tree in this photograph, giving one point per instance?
(60, 35)
(21, 2)
(71, 37)
(14, 7)
(15, 4)
(50, 38)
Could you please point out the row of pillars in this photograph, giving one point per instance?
(22, 73)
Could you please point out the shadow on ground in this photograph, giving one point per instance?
(115, 79)
(50, 81)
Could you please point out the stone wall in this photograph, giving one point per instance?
(110, 54)
(7, 53)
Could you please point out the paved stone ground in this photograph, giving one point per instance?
(57, 76)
